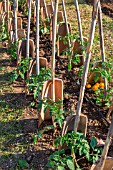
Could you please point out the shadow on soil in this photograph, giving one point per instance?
(13, 100)
(19, 126)
(33, 159)
(19, 137)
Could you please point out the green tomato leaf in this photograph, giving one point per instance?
(23, 163)
(93, 142)
(22, 75)
(60, 167)
(96, 77)
(39, 105)
(70, 164)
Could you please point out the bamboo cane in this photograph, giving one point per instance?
(53, 49)
(79, 20)
(34, 13)
(17, 5)
(65, 18)
(86, 64)
(37, 35)
(28, 28)
(45, 7)
(7, 16)
(101, 40)
(15, 21)
(52, 5)
(4, 5)
(100, 165)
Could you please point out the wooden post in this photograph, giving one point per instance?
(5, 5)
(79, 20)
(28, 28)
(54, 50)
(65, 18)
(7, 16)
(52, 5)
(37, 35)
(17, 5)
(100, 165)
(46, 9)
(101, 40)
(86, 64)
(15, 21)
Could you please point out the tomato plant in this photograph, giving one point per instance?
(80, 149)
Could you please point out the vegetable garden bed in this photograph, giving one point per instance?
(20, 148)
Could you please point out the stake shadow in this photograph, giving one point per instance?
(19, 134)
(3, 49)
(19, 129)
(35, 159)
(13, 100)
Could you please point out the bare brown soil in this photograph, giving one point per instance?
(107, 6)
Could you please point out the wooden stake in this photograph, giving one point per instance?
(17, 5)
(53, 46)
(37, 35)
(101, 40)
(15, 21)
(7, 16)
(100, 165)
(5, 5)
(65, 18)
(86, 64)
(46, 9)
(53, 51)
(79, 20)
(28, 28)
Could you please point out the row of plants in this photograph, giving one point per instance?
(77, 144)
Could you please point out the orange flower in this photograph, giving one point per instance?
(95, 87)
(102, 85)
(97, 84)
(88, 86)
